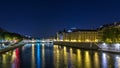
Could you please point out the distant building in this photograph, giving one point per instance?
(84, 35)
(78, 35)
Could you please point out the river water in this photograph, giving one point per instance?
(40, 55)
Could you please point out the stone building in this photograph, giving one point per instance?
(84, 35)
(78, 35)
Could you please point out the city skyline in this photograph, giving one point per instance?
(45, 18)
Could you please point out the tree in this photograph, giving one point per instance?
(111, 35)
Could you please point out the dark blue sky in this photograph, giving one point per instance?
(44, 18)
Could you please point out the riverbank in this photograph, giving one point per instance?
(77, 45)
(13, 46)
(113, 47)
(110, 51)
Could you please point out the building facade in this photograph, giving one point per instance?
(85, 35)
(79, 36)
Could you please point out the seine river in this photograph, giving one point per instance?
(40, 55)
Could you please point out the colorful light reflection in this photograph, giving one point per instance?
(38, 55)
(16, 59)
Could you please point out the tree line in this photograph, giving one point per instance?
(111, 35)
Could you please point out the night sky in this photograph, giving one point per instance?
(43, 18)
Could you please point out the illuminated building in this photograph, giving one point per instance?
(78, 35)
(85, 35)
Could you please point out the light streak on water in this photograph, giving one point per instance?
(38, 56)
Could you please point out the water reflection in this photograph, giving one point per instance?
(4, 57)
(56, 57)
(33, 56)
(87, 59)
(48, 56)
(38, 56)
(96, 60)
(79, 58)
(117, 61)
(43, 56)
(65, 57)
(15, 59)
(104, 61)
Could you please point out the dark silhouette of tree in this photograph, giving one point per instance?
(111, 35)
